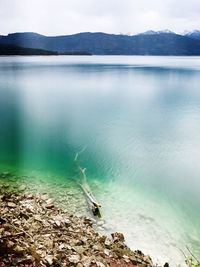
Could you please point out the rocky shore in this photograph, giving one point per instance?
(34, 232)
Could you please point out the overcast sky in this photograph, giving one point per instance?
(55, 17)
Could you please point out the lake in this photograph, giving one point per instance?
(136, 120)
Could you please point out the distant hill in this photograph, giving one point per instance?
(8, 50)
(149, 43)
(11, 50)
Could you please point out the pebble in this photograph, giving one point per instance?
(11, 205)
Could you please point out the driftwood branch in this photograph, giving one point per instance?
(80, 152)
(93, 204)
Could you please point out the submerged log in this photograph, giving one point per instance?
(94, 206)
(92, 203)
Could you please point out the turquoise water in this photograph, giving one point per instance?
(139, 119)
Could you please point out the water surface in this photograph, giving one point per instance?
(139, 119)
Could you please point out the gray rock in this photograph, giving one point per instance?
(74, 258)
(97, 247)
(67, 222)
(38, 218)
(100, 264)
(22, 187)
(19, 250)
(79, 249)
(57, 223)
(49, 259)
(108, 242)
(106, 252)
(10, 244)
(100, 223)
(44, 197)
(126, 258)
(62, 246)
(49, 201)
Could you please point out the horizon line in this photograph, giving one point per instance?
(185, 32)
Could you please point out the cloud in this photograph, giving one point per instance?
(53, 17)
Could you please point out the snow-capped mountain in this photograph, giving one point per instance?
(150, 32)
(193, 34)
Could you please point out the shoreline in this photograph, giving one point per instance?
(35, 232)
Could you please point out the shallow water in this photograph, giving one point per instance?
(139, 119)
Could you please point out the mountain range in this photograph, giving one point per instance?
(148, 43)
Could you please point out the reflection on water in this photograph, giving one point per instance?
(139, 118)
